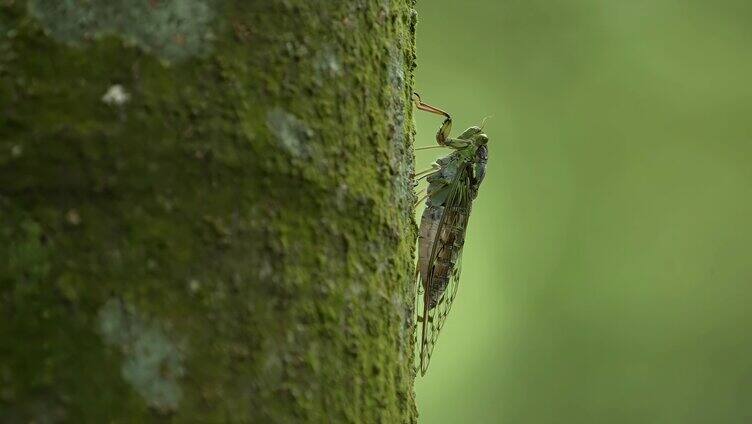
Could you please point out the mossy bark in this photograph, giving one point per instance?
(206, 211)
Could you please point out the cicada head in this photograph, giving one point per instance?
(480, 138)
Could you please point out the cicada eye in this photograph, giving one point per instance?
(481, 140)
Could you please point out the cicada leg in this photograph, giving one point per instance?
(430, 170)
(417, 180)
(420, 319)
(443, 134)
(428, 147)
(422, 198)
(424, 174)
(424, 195)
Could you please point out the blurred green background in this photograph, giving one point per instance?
(607, 269)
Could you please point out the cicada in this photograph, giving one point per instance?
(453, 183)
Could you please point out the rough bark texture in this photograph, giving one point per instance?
(206, 211)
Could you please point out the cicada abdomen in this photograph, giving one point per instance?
(440, 247)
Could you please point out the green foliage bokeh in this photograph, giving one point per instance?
(607, 273)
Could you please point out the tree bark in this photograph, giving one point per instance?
(206, 211)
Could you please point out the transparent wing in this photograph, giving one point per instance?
(436, 295)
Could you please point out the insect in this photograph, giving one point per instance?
(453, 183)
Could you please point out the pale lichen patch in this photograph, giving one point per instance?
(172, 30)
(194, 285)
(116, 96)
(265, 271)
(328, 63)
(16, 150)
(152, 362)
(73, 217)
(292, 133)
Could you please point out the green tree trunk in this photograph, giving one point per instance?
(206, 211)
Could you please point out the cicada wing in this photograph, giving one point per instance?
(436, 318)
(441, 282)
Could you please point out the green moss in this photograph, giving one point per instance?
(27, 262)
(172, 30)
(249, 207)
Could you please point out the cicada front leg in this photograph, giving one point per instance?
(442, 136)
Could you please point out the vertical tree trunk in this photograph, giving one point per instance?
(206, 211)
